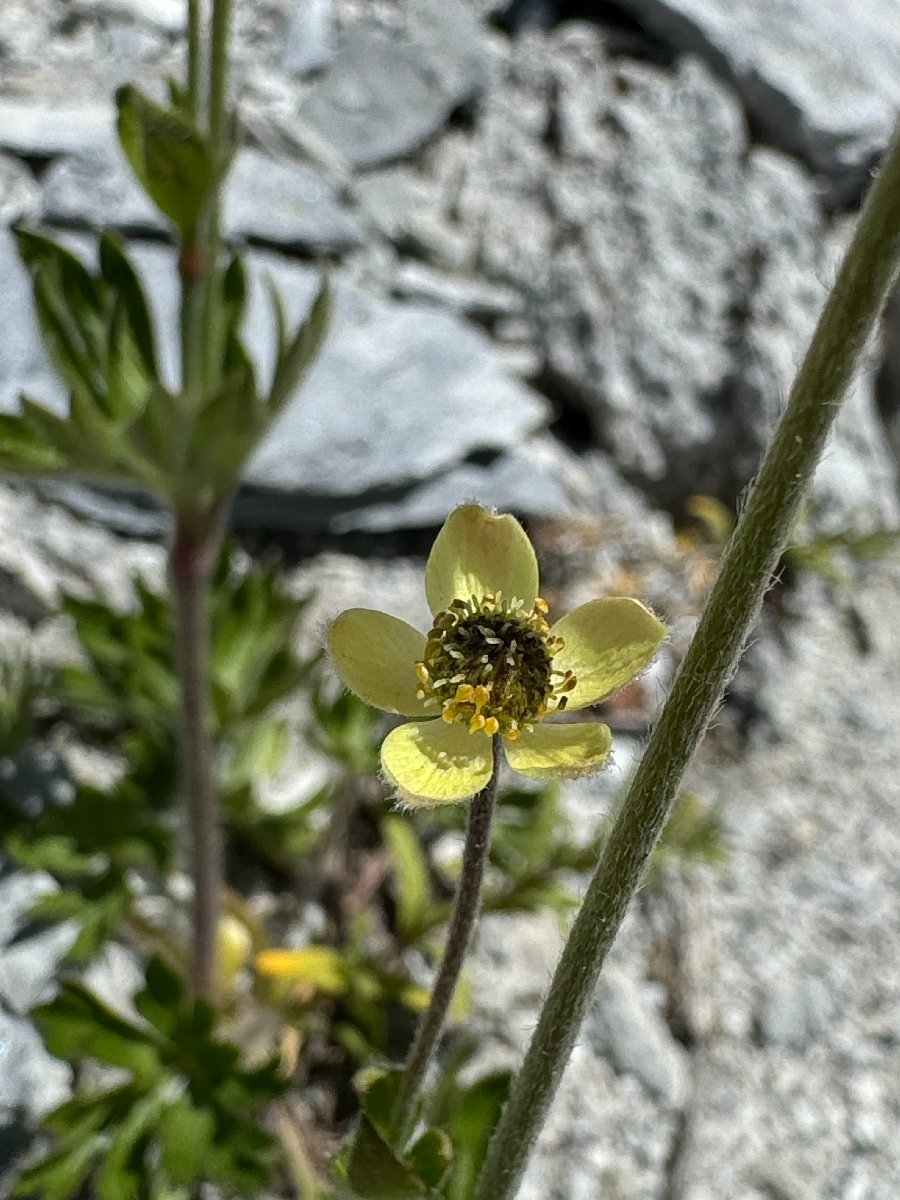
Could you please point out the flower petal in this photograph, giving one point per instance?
(319, 966)
(476, 553)
(375, 655)
(559, 751)
(607, 642)
(431, 762)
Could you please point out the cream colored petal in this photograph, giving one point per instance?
(607, 642)
(431, 762)
(375, 655)
(559, 751)
(477, 552)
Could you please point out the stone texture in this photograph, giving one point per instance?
(95, 187)
(630, 1032)
(535, 479)
(384, 97)
(38, 130)
(821, 81)
(168, 15)
(23, 364)
(28, 968)
(269, 200)
(286, 204)
(19, 193)
(309, 40)
(672, 270)
(31, 1082)
(424, 383)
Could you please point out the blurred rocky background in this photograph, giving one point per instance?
(578, 250)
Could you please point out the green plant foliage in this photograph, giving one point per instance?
(468, 1110)
(373, 987)
(19, 688)
(169, 156)
(227, 424)
(345, 728)
(188, 1110)
(91, 846)
(123, 424)
(98, 332)
(412, 883)
(129, 680)
(692, 834)
(824, 553)
(125, 698)
(373, 1165)
(532, 847)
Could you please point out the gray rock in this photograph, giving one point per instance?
(480, 301)
(384, 97)
(23, 364)
(820, 81)
(400, 393)
(529, 480)
(309, 42)
(855, 488)
(167, 15)
(19, 192)
(28, 967)
(31, 1082)
(673, 271)
(269, 200)
(793, 1013)
(633, 1036)
(286, 204)
(409, 209)
(96, 188)
(36, 129)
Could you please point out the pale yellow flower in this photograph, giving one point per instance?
(490, 665)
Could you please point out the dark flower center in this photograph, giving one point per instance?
(490, 665)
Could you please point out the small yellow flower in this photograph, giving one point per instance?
(490, 665)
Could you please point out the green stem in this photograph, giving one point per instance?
(201, 349)
(218, 139)
(864, 281)
(465, 913)
(190, 564)
(192, 256)
(194, 58)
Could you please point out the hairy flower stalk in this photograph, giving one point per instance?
(866, 276)
(465, 913)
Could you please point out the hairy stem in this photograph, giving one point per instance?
(465, 913)
(190, 564)
(865, 278)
